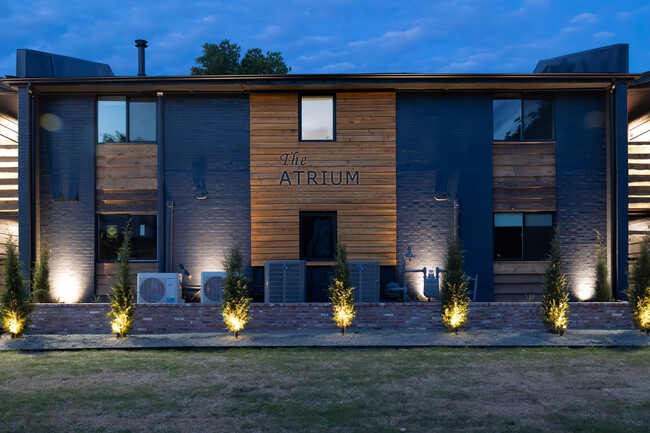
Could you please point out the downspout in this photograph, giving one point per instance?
(161, 185)
(614, 193)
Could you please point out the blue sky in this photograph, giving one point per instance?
(332, 36)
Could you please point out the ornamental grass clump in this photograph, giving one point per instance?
(555, 305)
(14, 302)
(638, 295)
(603, 289)
(453, 290)
(341, 292)
(41, 275)
(122, 311)
(236, 299)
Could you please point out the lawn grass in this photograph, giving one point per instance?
(327, 390)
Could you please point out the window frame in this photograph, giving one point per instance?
(128, 215)
(127, 99)
(523, 234)
(334, 215)
(317, 95)
(523, 97)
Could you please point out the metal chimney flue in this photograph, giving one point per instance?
(141, 44)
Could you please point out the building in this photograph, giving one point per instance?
(288, 165)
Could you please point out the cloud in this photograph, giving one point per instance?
(325, 54)
(390, 39)
(604, 35)
(339, 67)
(585, 18)
(272, 31)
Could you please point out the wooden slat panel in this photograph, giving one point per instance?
(366, 212)
(524, 177)
(126, 178)
(106, 275)
(513, 281)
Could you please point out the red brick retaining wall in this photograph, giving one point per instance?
(165, 318)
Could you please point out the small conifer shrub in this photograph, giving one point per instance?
(453, 290)
(555, 305)
(638, 294)
(236, 299)
(41, 275)
(341, 292)
(603, 290)
(14, 302)
(122, 312)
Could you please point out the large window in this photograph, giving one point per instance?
(522, 236)
(522, 119)
(121, 119)
(317, 118)
(317, 235)
(110, 233)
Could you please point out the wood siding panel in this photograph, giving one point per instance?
(365, 142)
(8, 166)
(106, 275)
(126, 178)
(513, 281)
(639, 177)
(524, 177)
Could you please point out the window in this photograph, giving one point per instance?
(317, 118)
(522, 119)
(110, 229)
(317, 235)
(121, 119)
(522, 236)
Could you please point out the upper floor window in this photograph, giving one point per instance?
(126, 119)
(522, 236)
(317, 118)
(523, 119)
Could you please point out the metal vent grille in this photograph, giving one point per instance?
(213, 288)
(152, 290)
(284, 281)
(364, 277)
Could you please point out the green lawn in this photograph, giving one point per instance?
(419, 390)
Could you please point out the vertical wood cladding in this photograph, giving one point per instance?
(126, 178)
(365, 205)
(8, 166)
(524, 176)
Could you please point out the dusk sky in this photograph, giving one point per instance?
(333, 36)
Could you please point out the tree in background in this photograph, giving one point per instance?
(122, 311)
(14, 302)
(236, 299)
(638, 295)
(555, 305)
(41, 275)
(224, 59)
(603, 290)
(341, 292)
(453, 290)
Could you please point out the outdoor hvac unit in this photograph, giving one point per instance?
(364, 277)
(159, 288)
(212, 287)
(284, 281)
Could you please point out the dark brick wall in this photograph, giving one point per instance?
(207, 148)
(581, 184)
(67, 168)
(444, 144)
(165, 318)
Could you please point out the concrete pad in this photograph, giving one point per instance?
(331, 338)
